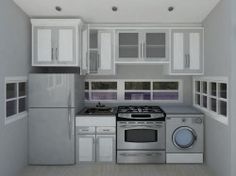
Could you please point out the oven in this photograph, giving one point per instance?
(140, 135)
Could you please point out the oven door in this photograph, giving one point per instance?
(140, 136)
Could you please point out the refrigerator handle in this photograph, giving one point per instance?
(69, 114)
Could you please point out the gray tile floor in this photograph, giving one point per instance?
(118, 170)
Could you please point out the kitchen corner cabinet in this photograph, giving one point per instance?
(187, 52)
(55, 42)
(142, 46)
(99, 59)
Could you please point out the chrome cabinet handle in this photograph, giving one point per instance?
(69, 115)
(87, 59)
(144, 50)
(99, 64)
(56, 54)
(186, 61)
(141, 50)
(52, 55)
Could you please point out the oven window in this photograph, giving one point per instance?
(141, 135)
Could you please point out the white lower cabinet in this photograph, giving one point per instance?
(95, 145)
(86, 149)
(105, 148)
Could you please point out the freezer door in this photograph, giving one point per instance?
(51, 90)
(51, 136)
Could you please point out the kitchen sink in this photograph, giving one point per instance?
(99, 110)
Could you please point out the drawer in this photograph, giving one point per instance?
(106, 130)
(85, 130)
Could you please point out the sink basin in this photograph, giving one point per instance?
(99, 110)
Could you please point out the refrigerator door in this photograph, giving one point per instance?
(51, 90)
(51, 136)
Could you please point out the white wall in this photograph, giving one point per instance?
(218, 35)
(14, 61)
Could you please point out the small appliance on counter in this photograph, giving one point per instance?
(140, 134)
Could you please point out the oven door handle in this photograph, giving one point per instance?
(141, 126)
(140, 154)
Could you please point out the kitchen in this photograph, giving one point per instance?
(131, 62)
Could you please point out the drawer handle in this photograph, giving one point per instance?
(106, 130)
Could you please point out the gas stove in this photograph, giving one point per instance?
(141, 113)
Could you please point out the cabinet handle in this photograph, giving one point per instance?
(56, 54)
(188, 60)
(87, 59)
(52, 54)
(141, 52)
(144, 50)
(99, 64)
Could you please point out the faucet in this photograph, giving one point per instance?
(99, 105)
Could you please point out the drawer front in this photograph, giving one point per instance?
(85, 130)
(106, 130)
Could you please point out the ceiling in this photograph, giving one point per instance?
(129, 11)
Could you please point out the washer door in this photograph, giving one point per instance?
(184, 137)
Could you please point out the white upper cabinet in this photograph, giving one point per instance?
(142, 46)
(187, 51)
(55, 42)
(98, 58)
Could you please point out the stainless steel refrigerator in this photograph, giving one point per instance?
(54, 100)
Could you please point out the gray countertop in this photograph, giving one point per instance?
(180, 109)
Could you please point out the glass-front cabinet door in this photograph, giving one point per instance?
(128, 45)
(155, 45)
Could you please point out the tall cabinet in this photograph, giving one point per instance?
(56, 42)
(187, 51)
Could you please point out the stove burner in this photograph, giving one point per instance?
(139, 109)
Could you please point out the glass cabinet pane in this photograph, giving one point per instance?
(137, 85)
(213, 88)
(204, 87)
(165, 85)
(213, 104)
(104, 85)
(93, 61)
(11, 90)
(128, 45)
(204, 101)
(93, 39)
(165, 95)
(22, 105)
(137, 95)
(223, 90)
(223, 108)
(22, 89)
(86, 86)
(198, 86)
(11, 108)
(155, 45)
(197, 99)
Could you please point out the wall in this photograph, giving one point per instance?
(233, 88)
(150, 72)
(14, 60)
(217, 63)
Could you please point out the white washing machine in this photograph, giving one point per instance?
(184, 135)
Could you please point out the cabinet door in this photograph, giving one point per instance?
(178, 50)
(105, 149)
(128, 45)
(43, 50)
(86, 148)
(106, 61)
(84, 52)
(65, 50)
(195, 52)
(155, 45)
